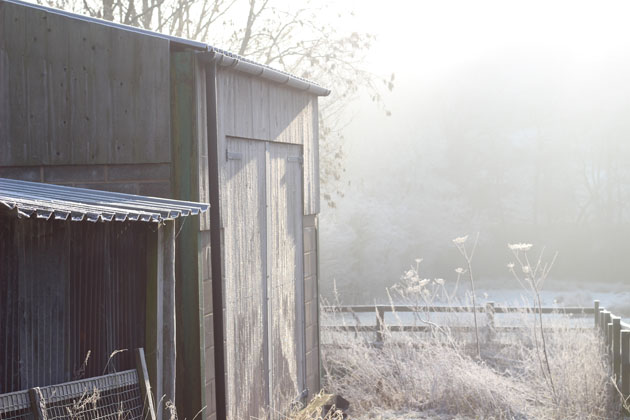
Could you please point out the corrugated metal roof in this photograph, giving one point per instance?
(224, 58)
(46, 201)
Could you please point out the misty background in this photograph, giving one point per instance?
(510, 120)
(506, 119)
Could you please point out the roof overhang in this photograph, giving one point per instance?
(58, 202)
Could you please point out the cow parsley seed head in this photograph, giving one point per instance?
(460, 270)
(510, 266)
(460, 240)
(439, 281)
(520, 247)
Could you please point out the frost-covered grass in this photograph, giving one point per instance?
(527, 374)
(416, 372)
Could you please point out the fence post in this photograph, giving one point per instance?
(596, 302)
(609, 343)
(490, 319)
(625, 365)
(145, 385)
(605, 315)
(490, 314)
(37, 405)
(616, 347)
(380, 323)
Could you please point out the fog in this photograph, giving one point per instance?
(510, 122)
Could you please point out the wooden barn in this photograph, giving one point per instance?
(92, 104)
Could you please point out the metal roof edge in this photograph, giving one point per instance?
(176, 39)
(47, 200)
(222, 57)
(227, 59)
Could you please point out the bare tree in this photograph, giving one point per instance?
(304, 38)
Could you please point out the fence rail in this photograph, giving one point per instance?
(490, 309)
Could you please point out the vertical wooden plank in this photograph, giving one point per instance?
(100, 43)
(243, 117)
(285, 230)
(201, 137)
(150, 92)
(58, 89)
(37, 92)
(616, 347)
(13, 29)
(5, 111)
(166, 247)
(124, 56)
(310, 278)
(260, 108)
(187, 125)
(245, 271)
(625, 365)
(226, 102)
(311, 158)
(154, 310)
(596, 312)
(609, 342)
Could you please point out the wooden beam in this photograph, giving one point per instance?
(145, 385)
(187, 132)
(166, 247)
(154, 317)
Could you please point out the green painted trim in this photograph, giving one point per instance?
(185, 176)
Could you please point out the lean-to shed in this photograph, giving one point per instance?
(86, 277)
(89, 103)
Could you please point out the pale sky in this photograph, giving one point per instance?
(579, 44)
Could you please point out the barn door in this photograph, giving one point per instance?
(285, 280)
(263, 293)
(245, 279)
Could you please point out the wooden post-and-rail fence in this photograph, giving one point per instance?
(616, 336)
(614, 333)
(490, 310)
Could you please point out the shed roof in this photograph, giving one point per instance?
(222, 57)
(46, 201)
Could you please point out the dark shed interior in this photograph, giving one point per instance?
(71, 294)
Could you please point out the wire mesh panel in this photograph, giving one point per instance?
(15, 405)
(114, 396)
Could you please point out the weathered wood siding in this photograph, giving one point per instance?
(311, 304)
(252, 108)
(74, 92)
(266, 150)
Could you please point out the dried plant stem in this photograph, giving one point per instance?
(459, 243)
(474, 302)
